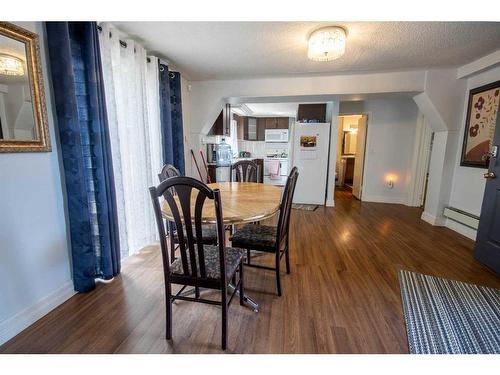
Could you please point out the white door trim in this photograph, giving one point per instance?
(359, 161)
(420, 162)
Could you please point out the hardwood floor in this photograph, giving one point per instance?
(342, 295)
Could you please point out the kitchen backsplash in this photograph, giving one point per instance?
(255, 148)
(277, 149)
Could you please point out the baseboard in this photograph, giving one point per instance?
(433, 220)
(462, 229)
(22, 320)
(330, 203)
(383, 199)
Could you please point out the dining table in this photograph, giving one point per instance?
(242, 202)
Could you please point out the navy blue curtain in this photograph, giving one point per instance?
(76, 72)
(171, 118)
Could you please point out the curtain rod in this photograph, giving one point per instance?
(124, 45)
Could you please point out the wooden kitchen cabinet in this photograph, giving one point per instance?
(271, 123)
(240, 126)
(261, 128)
(222, 125)
(263, 123)
(212, 172)
(282, 123)
(245, 128)
(218, 126)
(251, 128)
(311, 112)
(260, 168)
(276, 122)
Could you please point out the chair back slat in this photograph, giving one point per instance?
(180, 193)
(245, 171)
(286, 207)
(174, 209)
(184, 199)
(198, 210)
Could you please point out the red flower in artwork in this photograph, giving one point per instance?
(479, 104)
(477, 115)
(474, 130)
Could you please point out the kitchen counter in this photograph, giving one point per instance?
(235, 160)
(217, 173)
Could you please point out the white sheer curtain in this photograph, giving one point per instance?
(132, 100)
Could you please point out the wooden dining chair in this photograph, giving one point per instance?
(244, 171)
(167, 171)
(268, 238)
(209, 231)
(199, 265)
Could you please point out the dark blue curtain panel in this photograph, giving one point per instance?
(78, 89)
(171, 118)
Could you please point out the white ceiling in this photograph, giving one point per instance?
(225, 50)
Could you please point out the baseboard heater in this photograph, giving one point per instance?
(462, 217)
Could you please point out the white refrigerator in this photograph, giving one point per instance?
(310, 149)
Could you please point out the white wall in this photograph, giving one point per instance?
(438, 103)
(389, 149)
(206, 98)
(34, 257)
(440, 176)
(468, 183)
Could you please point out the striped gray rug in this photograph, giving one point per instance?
(449, 317)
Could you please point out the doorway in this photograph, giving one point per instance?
(351, 144)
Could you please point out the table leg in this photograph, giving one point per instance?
(250, 303)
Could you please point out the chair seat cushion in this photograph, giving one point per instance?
(208, 232)
(212, 264)
(256, 237)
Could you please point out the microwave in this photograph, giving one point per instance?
(276, 135)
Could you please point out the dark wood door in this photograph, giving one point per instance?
(487, 249)
(240, 126)
(307, 112)
(349, 170)
(260, 167)
(245, 128)
(271, 123)
(282, 123)
(261, 128)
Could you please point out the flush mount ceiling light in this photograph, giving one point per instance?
(11, 66)
(327, 43)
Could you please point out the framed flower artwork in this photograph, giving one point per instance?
(480, 123)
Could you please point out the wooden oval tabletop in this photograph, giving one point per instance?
(242, 202)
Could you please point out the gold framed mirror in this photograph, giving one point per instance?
(23, 114)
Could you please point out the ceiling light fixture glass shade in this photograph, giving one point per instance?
(11, 65)
(327, 43)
